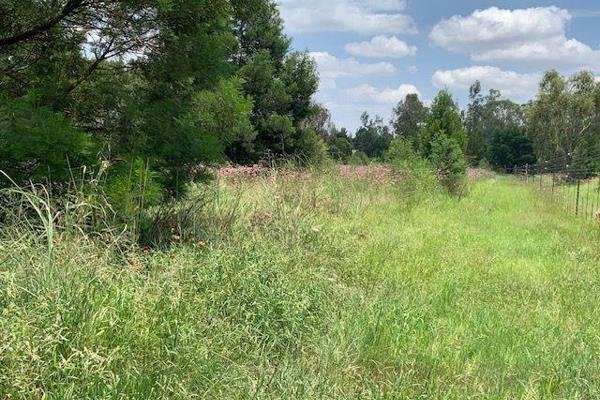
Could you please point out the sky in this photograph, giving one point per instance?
(372, 53)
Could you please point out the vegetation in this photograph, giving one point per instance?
(295, 292)
(180, 219)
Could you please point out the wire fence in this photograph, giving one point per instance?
(574, 187)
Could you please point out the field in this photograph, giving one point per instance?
(315, 286)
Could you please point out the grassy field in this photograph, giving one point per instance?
(316, 287)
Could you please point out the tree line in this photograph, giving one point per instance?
(148, 90)
(558, 130)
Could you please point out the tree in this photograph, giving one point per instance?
(408, 117)
(563, 120)
(445, 119)
(38, 144)
(373, 137)
(442, 142)
(484, 117)
(340, 146)
(280, 82)
(449, 163)
(511, 147)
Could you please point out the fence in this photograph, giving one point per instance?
(577, 189)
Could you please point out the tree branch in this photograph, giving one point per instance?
(68, 9)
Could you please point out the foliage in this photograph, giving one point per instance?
(373, 137)
(485, 116)
(38, 144)
(311, 149)
(400, 150)
(359, 158)
(510, 148)
(563, 120)
(340, 146)
(409, 116)
(444, 119)
(449, 163)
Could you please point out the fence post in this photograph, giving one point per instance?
(577, 205)
(526, 172)
(541, 180)
(553, 183)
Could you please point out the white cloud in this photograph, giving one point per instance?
(368, 93)
(413, 69)
(382, 46)
(331, 67)
(360, 16)
(532, 37)
(514, 85)
(385, 5)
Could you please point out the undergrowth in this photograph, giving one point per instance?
(302, 286)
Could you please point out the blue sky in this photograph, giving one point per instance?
(371, 53)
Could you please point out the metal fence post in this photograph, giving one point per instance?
(577, 205)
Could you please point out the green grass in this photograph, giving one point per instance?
(322, 288)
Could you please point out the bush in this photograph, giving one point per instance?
(359, 158)
(400, 150)
(133, 187)
(39, 145)
(311, 149)
(449, 162)
(512, 147)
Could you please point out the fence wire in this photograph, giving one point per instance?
(575, 189)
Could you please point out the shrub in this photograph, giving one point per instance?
(400, 150)
(449, 162)
(311, 149)
(133, 187)
(359, 158)
(39, 145)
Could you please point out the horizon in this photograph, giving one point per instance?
(371, 54)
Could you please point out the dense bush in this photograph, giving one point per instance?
(449, 163)
(510, 148)
(38, 144)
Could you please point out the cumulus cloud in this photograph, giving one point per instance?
(360, 16)
(532, 36)
(332, 67)
(381, 47)
(368, 93)
(514, 85)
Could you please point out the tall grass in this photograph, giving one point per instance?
(304, 286)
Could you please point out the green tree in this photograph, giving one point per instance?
(408, 117)
(511, 147)
(444, 119)
(563, 120)
(38, 144)
(484, 117)
(373, 137)
(340, 146)
(449, 163)
(442, 142)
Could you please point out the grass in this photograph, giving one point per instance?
(321, 288)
